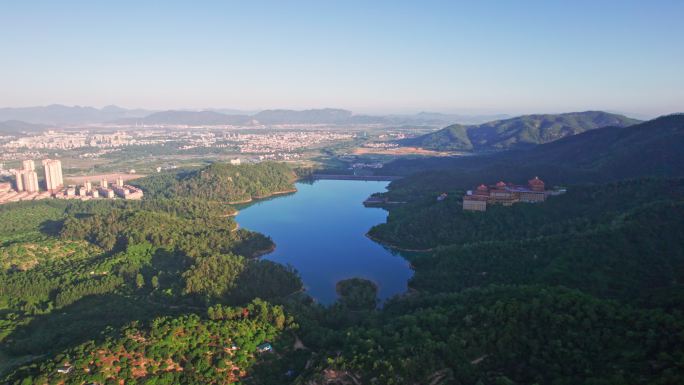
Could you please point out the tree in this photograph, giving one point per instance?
(139, 281)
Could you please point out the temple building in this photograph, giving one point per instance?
(505, 194)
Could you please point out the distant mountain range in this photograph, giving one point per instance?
(652, 148)
(314, 116)
(59, 115)
(18, 126)
(190, 118)
(519, 132)
(321, 116)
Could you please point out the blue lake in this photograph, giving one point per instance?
(320, 230)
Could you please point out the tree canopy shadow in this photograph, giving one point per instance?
(52, 227)
(87, 319)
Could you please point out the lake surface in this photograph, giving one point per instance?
(320, 230)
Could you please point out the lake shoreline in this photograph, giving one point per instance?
(384, 243)
(259, 197)
(261, 253)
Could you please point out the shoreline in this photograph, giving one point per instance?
(384, 243)
(261, 253)
(252, 199)
(368, 178)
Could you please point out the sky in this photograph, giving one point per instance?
(366, 56)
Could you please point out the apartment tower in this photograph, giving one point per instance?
(29, 165)
(30, 181)
(53, 174)
(19, 181)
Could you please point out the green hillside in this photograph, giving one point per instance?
(515, 133)
(222, 182)
(652, 148)
(426, 223)
(169, 352)
(635, 258)
(70, 270)
(451, 138)
(503, 335)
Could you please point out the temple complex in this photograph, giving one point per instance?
(505, 194)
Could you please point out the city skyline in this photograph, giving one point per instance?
(516, 58)
(27, 187)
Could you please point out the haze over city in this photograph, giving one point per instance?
(379, 57)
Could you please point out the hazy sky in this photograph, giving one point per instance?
(367, 56)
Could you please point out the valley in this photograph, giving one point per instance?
(309, 286)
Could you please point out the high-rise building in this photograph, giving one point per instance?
(88, 186)
(119, 182)
(19, 182)
(53, 174)
(29, 165)
(30, 181)
(104, 184)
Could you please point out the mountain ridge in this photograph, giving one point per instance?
(57, 114)
(648, 149)
(19, 126)
(519, 132)
(182, 117)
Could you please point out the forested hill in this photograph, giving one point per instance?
(222, 182)
(652, 148)
(426, 223)
(520, 132)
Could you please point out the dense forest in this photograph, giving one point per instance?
(500, 335)
(357, 293)
(188, 349)
(222, 182)
(632, 259)
(195, 236)
(76, 271)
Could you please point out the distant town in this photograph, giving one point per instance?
(26, 186)
(272, 145)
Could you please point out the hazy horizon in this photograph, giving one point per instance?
(472, 112)
(379, 58)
